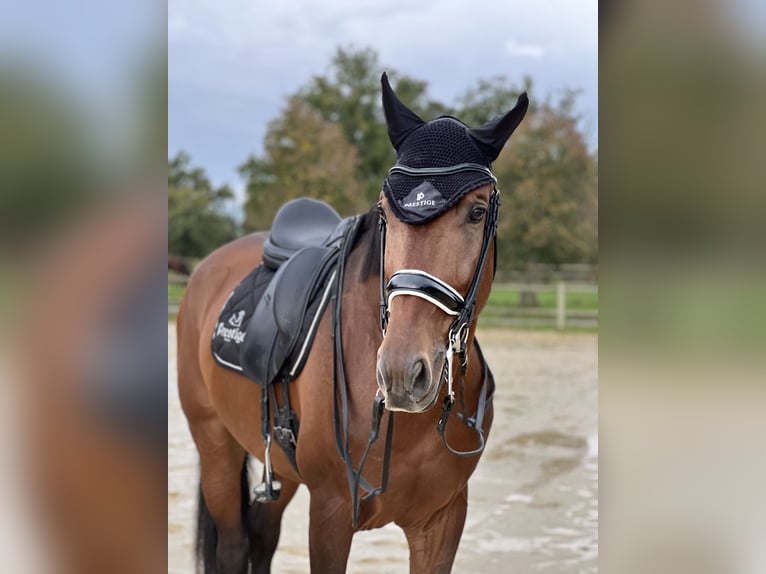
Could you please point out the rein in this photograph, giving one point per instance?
(355, 478)
(416, 283)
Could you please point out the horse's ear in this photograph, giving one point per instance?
(491, 137)
(401, 120)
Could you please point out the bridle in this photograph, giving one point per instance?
(417, 283)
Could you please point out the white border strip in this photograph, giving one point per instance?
(314, 322)
(227, 363)
(422, 296)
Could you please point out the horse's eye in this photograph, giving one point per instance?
(477, 214)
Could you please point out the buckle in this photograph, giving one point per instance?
(458, 339)
(284, 435)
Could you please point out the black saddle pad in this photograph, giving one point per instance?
(275, 348)
(230, 330)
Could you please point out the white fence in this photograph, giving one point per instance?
(559, 316)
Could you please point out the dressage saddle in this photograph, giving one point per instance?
(266, 328)
(300, 223)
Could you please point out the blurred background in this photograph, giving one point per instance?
(83, 225)
(682, 143)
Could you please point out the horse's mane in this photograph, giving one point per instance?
(368, 235)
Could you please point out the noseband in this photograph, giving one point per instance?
(420, 284)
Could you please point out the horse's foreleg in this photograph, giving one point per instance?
(433, 545)
(222, 468)
(330, 534)
(264, 524)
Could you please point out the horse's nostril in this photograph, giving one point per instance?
(419, 377)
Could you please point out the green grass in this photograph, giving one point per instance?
(505, 297)
(175, 291)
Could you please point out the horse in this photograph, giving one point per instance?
(400, 335)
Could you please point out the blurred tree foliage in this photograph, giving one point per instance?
(46, 167)
(349, 95)
(305, 155)
(196, 222)
(549, 187)
(330, 142)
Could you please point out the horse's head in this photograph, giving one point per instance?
(438, 218)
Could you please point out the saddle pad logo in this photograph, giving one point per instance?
(236, 319)
(229, 334)
(423, 201)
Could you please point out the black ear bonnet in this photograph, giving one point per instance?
(414, 194)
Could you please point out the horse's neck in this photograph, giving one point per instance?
(360, 303)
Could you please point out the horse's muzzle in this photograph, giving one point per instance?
(406, 384)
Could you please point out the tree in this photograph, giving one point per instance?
(550, 191)
(350, 96)
(547, 176)
(305, 155)
(491, 97)
(196, 223)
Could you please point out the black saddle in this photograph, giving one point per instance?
(267, 326)
(274, 333)
(300, 223)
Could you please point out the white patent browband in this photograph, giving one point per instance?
(425, 296)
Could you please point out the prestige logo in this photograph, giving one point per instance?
(420, 203)
(236, 320)
(424, 198)
(228, 334)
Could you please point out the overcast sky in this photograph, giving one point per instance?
(232, 62)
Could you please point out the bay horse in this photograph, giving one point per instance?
(399, 335)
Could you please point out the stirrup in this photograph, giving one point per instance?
(270, 489)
